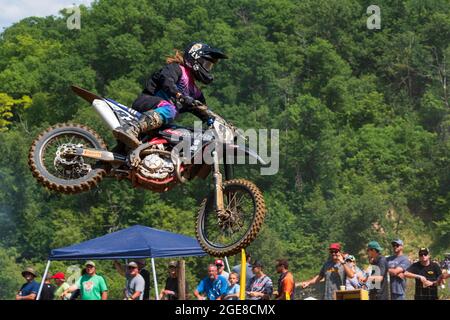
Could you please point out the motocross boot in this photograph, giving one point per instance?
(129, 133)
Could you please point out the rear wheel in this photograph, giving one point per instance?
(55, 169)
(244, 214)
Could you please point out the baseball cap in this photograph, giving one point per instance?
(218, 262)
(424, 250)
(257, 264)
(58, 275)
(29, 270)
(374, 245)
(89, 263)
(173, 263)
(335, 246)
(397, 241)
(132, 264)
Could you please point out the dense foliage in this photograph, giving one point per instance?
(364, 122)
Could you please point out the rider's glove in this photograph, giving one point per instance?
(187, 101)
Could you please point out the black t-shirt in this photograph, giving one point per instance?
(382, 293)
(172, 285)
(146, 275)
(431, 272)
(48, 292)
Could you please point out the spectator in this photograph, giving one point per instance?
(91, 285)
(146, 275)
(398, 263)
(233, 290)
(249, 272)
(260, 287)
(170, 291)
(30, 289)
(378, 274)
(427, 275)
(221, 269)
(354, 282)
(213, 286)
(445, 268)
(286, 282)
(446, 263)
(61, 285)
(142, 271)
(334, 271)
(48, 290)
(134, 289)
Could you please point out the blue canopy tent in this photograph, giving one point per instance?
(130, 243)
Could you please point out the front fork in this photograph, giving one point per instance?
(218, 185)
(218, 181)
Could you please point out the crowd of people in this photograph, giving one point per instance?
(384, 279)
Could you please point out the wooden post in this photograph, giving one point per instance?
(181, 280)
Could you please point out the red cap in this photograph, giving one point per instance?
(58, 275)
(218, 261)
(335, 246)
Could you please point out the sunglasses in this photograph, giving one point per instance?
(395, 245)
(334, 251)
(423, 254)
(131, 268)
(89, 267)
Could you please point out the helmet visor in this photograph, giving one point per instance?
(207, 64)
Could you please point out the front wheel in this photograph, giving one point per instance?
(245, 211)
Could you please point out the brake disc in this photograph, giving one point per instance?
(67, 164)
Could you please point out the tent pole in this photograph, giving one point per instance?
(43, 280)
(154, 279)
(228, 266)
(126, 270)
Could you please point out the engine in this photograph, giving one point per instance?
(155, 166)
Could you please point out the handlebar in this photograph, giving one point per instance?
(213, 117)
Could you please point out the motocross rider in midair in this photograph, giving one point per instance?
(171, 91)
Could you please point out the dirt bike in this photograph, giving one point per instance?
(72, 158)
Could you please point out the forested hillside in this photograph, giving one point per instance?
(364, 120)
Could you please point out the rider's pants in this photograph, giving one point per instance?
(166, 109)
